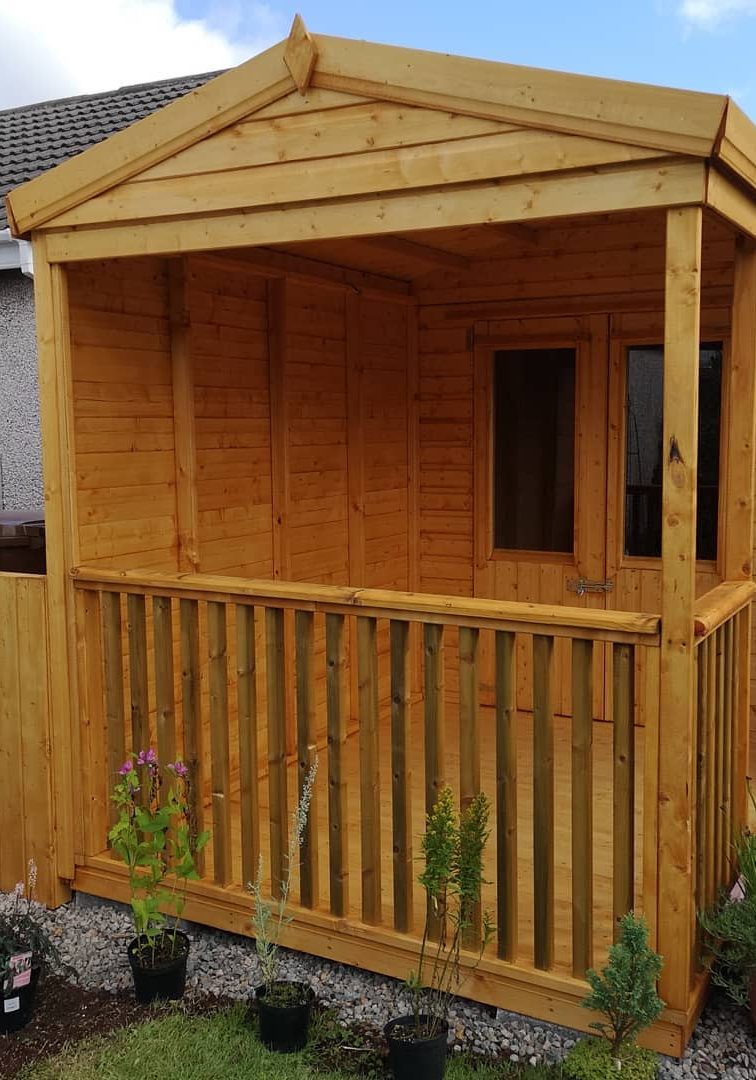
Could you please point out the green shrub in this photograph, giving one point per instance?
(593, 1059)
(625, 991)
(730, 929)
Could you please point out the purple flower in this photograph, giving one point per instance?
(147, 757)
(180, 769)
(126, 768)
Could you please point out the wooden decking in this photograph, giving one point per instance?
(602, 804)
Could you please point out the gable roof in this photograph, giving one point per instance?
(35, 138)
(674, 122)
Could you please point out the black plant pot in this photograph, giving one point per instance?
(17, 1006)
(284, 1028)
(412, 1058)
(166, 979)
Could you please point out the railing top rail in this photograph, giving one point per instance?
(620, 626)
(716, 607)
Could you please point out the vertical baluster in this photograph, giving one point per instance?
(246, 691)
(434, 712)
(711, 768)
(370, 788)
(162, 622)
(112, 659)
(543, 802)
(191, 717)
(720, 853)
(506, 797)
(337, 711)
(702, 772)
(624, 782)
(727, 724)
(96, 811)
(401, 776)
(741, 719)
(140, 709)
(582, 807)
(434, 728)
(304, 638)
(219, 741)
(469, 743)
(275, 671)
(651, 675)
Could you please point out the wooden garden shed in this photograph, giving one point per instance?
(399, 408)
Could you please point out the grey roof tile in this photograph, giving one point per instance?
(34, 138)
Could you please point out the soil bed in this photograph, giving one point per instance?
(66, 1013)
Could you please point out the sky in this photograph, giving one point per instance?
(57, 48)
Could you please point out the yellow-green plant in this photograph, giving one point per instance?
(452, 847)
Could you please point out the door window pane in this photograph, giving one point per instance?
(534, 449)
(643, 450)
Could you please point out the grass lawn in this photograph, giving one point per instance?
(223, 1046)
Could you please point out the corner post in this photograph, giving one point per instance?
(737, 503)
(53, 342)
(676, 903)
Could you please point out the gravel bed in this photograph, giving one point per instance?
(92, 936)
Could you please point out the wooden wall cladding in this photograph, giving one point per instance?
(123, 414)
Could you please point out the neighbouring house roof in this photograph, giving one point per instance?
(35, 138)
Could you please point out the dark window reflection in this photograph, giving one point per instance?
(534, 449)
(643, 454)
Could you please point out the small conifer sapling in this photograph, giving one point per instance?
(625, 991)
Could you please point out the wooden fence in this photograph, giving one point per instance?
(722, 674)
(250, 679)
(27, 826)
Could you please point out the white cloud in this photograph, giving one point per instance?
(55, 48)
(710, 13)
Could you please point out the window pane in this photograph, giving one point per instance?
(534, 449)
(643, 450)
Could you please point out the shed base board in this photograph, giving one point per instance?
(542, 995)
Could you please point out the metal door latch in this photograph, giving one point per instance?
(583, 585)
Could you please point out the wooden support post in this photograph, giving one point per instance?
(434, 713)
(275, 672)
(543, 802)
(506, 797)
(182, 370)
(401, 775)
(140, 706)
(676, 908)
(469, 745)
(304, 634)
(220, 768)
(162, 623)
(738, 501)
(582, 807)
(112, 663)
(246, 699)
(337, 712)
(370, 780)
(192, 717)
(56, 421)
(623, 677)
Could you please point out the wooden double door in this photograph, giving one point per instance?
(556, 447)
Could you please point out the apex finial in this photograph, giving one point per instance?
(300, 54)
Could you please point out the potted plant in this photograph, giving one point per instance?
(729, 928)
(284, 1007)
(452, 847)
(154, 838)
(26, 953)
(625, 992)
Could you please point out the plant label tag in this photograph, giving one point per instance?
(11, 1005)
(20, 966)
